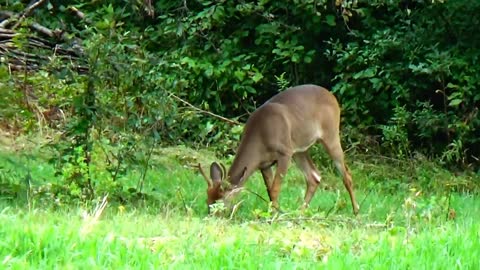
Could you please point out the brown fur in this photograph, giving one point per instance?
(281, 129)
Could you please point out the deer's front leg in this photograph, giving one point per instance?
(268, 178)
(282, 167)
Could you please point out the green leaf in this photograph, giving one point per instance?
(370, 72)
(295, 58)
(219, 13)
(240, 75)
(237, 129)
(208, 127)
(209, 72)
(367, 73)
(330, 19)
(257, 77)
(250, 89)
(455, 102)
(452, 86)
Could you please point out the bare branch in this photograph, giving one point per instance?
(230, 121)
(77, 12)
(4, 23)
(6, 31)
(4, 14)
(21, 67)
(11, 51)
(149, 9)
(57, 33)
(27, 12)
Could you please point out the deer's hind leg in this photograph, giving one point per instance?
(334, 148)
(311, 173)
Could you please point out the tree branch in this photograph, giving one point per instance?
(230, 121)
(57, 33)
(27, 12)
(77, 12)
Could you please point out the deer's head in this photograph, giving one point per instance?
(218, 187)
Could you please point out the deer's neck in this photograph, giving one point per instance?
(244, 164)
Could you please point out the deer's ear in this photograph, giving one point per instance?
(209, 181)
(216, 172)
(224, 171)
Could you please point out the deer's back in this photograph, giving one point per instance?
(296, 117)
(306, 97)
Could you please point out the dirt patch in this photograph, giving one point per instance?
(12, 141)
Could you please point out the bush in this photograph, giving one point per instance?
(405, 71)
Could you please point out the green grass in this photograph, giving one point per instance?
(416, 217)
(72, 240)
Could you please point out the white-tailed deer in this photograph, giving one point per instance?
(281, 129)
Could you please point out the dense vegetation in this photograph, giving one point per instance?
(406, 71)
(103, 102)
(431, 223)
(127, 77)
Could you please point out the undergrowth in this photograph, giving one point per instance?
(414, 214)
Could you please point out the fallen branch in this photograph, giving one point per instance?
(12, 52)
(5, 14)
(27, 12)
(36, 51)
(5, 22)
(230, 121)
(58, 34)
(7, 34)
(77, 12)
(149, 9)
(21, 67)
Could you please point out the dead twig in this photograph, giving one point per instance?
(57, 33)
(258, 195)
(27, 12)
(230, 121)
(77, 12)
(90, 219)
(235, 208)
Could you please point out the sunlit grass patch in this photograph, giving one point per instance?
(423, 223)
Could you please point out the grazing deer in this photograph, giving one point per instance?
(281, 129)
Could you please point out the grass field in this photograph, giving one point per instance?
(414, 215)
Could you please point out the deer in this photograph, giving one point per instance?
(277, 132)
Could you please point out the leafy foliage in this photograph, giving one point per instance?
(419, 58)
(405, 72)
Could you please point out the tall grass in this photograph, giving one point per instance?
(57, 240)
(423, 223)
